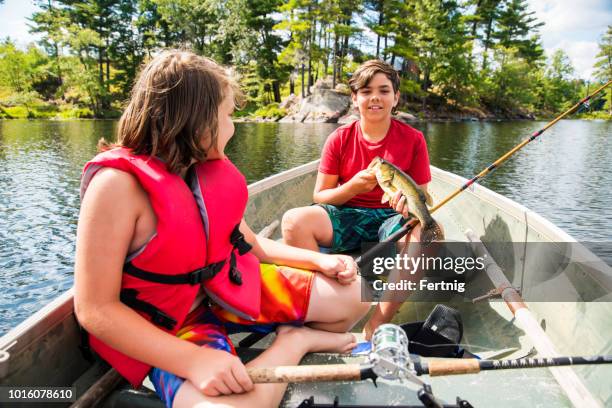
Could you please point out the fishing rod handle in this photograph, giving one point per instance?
(451, 367)
(307, 373)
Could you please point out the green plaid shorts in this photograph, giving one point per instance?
(354, 225)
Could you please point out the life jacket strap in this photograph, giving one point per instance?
(235, 275)
(191, 278)
(159, 318)
(239, 243)
(237, 240)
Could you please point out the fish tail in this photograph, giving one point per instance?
(431, 232)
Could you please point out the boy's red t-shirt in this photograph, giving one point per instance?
(346, 152)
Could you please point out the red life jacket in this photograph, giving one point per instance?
(221, 193)
(162, 279)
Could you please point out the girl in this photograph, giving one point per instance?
(166, 267)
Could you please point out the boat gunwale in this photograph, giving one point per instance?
(33, 328)
(279, 178)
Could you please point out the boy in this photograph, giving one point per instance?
(349, 209)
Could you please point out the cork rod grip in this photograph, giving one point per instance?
(307, 373)
(452, 367)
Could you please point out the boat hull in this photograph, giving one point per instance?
(45, 351)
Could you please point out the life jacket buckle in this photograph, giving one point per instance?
(196, 276)
(208, 272)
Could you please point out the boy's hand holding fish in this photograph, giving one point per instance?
(363, 181)
(400, 204)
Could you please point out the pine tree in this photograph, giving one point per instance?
(443, 48)
(603, 65)
(517, 28)
(50, 22)
(486, 13)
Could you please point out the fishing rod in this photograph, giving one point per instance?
(390, 360)
(369, 255)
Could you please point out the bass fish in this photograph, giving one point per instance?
(391, 179)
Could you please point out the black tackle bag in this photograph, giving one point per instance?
(438, 336)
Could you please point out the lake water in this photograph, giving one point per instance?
(565, 176)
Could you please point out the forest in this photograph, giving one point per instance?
(479, 56)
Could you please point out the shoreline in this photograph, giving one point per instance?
(267, 120)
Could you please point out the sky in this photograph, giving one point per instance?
(574, 26)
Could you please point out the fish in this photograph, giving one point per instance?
(391, 179)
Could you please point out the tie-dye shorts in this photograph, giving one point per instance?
(285, 295)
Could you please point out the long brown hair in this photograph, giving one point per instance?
(172, 112)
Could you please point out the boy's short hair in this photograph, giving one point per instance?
(173, 108)
(366, 71)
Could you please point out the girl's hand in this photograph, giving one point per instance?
(217, 372)
(363, 182)
(399, 203)
(343, 268)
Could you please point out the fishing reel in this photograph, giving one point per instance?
(389, 357)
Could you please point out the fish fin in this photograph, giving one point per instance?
(428, 199)
(385, 198)
(431, 232)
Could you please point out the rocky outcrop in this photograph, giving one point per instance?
(323, 105)
(289, 102)
(351, 116)
(405, 117)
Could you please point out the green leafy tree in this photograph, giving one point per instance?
(131, 43)
(298, 22)
(482, 21)
(19, 70)
(558, 89)
(443, 48)
(517, 28)
(195, 23)
(261, 20)
(603, 65)
(509, 89)
(14, 73)
(51, 21)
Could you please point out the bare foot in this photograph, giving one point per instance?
(313, 340)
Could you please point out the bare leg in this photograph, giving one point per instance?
(335, 307)
(391, 302)
(288, 348)
(307, 227)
